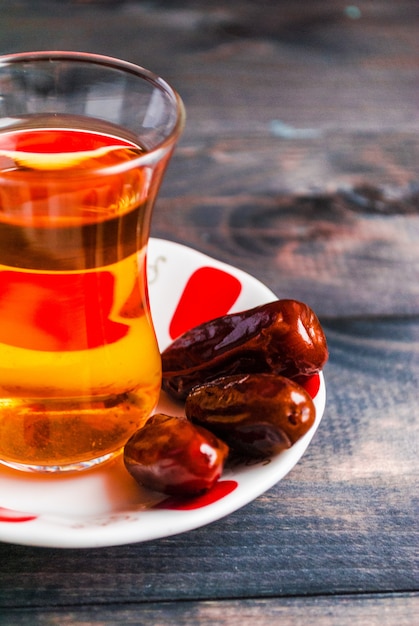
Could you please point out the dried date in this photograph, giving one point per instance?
(173, 456)
(255, 414)
(283, 337)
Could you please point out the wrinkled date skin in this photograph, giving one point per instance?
(255, 414)
(283, 337)
(175, 457)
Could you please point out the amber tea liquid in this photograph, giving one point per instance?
(79, 364)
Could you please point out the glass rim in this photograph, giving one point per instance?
(152, 154)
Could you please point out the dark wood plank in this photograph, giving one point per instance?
(319, 248)
(240, 68)
(343, 610)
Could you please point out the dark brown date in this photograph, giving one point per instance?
(283, 337)
(173, 456)
(255, 414)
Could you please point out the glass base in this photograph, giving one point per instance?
(59, 469)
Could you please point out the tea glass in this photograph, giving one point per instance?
(84, 144)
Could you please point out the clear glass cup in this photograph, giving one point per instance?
(84, 143)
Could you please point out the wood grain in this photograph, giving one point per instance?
(342, 610)
(299, 164)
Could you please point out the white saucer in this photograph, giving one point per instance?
(104, 506)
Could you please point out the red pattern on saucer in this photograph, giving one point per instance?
(221, 489)
(209, 293)
(312, 385)
(7, 515)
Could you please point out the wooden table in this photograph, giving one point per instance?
(299, 164)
